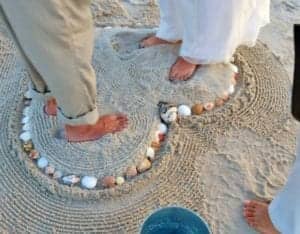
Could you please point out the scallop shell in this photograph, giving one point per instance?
(197, 109)
(144, 166)
(25, 136)
(70, 179)
(209, 106)
(120, 180)
(162, 128)
(184, 110)
(109, 182)
(231, 89)
(155, 145)
(34, 154)
(89, 182)
(131, 172)
(57, 175)
(49, 170)
(25, 120)
(26, 127)
(42, 162)
(234, 68)
(225, 96)
(26, 111)
(28, 147)
(27, 95)
(219, 102)
(150, 153)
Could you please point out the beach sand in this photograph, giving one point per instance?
(210, 164)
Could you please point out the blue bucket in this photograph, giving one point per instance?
(174, 220)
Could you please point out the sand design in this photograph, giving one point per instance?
(210, 165)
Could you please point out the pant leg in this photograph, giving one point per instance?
(57, 37)
(38, 86)
(171, 25)
(285, 208)
(214, 29)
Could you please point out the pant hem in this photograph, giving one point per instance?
(89, 118)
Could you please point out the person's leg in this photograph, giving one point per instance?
(282, 215)
(213, 30)
(57, 36)
(38, 86)
(170, 28)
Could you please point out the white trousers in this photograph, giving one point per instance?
(285, 208)
(211, 30)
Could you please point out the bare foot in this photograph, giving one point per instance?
(51, 107)
(153, 41)
(106, 124)
(182, 70)
(257, 216)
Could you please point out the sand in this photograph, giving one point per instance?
(210, 163)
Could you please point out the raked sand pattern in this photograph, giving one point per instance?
(210, 163)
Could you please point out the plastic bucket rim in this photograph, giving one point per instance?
(180, 207)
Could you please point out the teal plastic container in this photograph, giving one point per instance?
(175, 220)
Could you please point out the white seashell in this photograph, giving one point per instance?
(28, 94)
(25, 136)
(26, 111)
(107, 27)
(25, 120)
(120, 180)
(89, 182)
(234, 68)
(231, 89)
(71, 179)
(162, 128)
(173, 109)
(184, 110)
(150, 153)
(49, 170)
(42, 162)
(26, 127)
(209, 106)
(57, 175)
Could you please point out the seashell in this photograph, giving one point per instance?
(150, 153)
(26, 111)
(26, 127)
(144, 166)
(161, 137)
(109, 182)
(184, 110)
(34, 154)
(28, 147)
(42, 162)
(89, 182)
(49, 170)
(162, 128)
(25, 136)
(57, 175)
(155, 145)
(167, 112)
(197, 109)
(231, 89)
(156, 138)
(209, 106)
(120, 180)
(131, 172)
(25, 120)
(27, 95)
(219, 102)
(27, 102)
(234, 68)
(70, 179)
(233, 81)
(225, 96)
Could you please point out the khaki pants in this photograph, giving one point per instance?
(56, 38)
